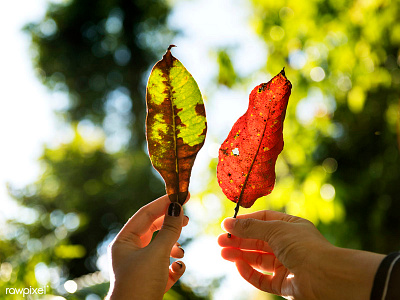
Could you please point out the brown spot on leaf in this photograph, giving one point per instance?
(200, 110)
(204, 130)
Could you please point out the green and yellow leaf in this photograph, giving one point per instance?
(176, 124)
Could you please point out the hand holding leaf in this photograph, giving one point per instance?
(176, 124)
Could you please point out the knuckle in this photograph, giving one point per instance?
(278, 225)
(294, 219)
(145, 213)
(266, 236)
(259, 261)
(153, 228)
(261, 281)
(289, 218)
(148, 213)
(171, 228)
(259, 244)
(276, 287)
(264, 215)
(276, 232)
(245, 225)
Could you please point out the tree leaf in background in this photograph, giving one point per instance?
(246, 167)
(176, 124)
(226, 74)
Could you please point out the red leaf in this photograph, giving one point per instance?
(246, 167)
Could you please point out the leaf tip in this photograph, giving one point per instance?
(283, 72)
(170, 47)
(168, 58)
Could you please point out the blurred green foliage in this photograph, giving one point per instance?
(341, 165)
(226, 75)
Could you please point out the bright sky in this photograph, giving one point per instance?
(27, 120)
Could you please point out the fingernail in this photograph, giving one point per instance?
(180, 264)
(187, 217)
(180, 247)
(174, 209)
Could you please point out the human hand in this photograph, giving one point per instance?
(304, 265)
(140, 269)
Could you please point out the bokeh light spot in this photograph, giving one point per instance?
(5, 271)
(122, 56)
(71, 221)
(297, 59)
(330, 165)
(48, 27)
(113, 25)
(70, 286)
(277, 33)
(317, 74)
(327, 192)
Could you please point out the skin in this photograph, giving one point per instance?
(140, 267)
(305, 265)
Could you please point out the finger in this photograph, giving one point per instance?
(246, 244)
(171, 228)
(141, 221)
(259, 260)
(177, 251)
(157, 224)
(257, 279)
(270, 215)
(176, 270)
(255, 229)
(146, 238)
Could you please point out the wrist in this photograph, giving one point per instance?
(120, 292)
(114, 293)
(127, 289)
(347, 273)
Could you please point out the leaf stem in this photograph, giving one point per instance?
(170, 46)
(251, 166)
(235, 215)
(175, 136)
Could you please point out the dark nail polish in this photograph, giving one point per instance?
(187, 217)
(179, 263)
(174, 209)
(180, 247)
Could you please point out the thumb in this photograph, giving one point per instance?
(172, 226)
(250, 228)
